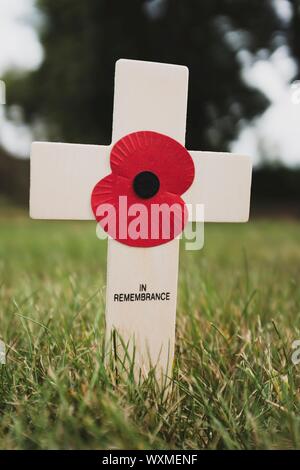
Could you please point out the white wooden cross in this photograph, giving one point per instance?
(148, 96)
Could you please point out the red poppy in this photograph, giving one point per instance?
(150, 171)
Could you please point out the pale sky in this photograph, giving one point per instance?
(19, 45)
(276, 131)
(19, 48)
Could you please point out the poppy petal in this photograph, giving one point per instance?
(136, 222)
(157, 153)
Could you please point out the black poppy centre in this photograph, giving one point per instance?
(146, 184)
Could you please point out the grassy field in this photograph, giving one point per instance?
(234, 384)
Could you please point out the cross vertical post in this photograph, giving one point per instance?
(148, 96)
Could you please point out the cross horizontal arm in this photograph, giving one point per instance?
(63, 176)
(223, 185)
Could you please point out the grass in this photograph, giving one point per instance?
(234, 384)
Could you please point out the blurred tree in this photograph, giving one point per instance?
(72, 91)
(14, 178)
(294, 32)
